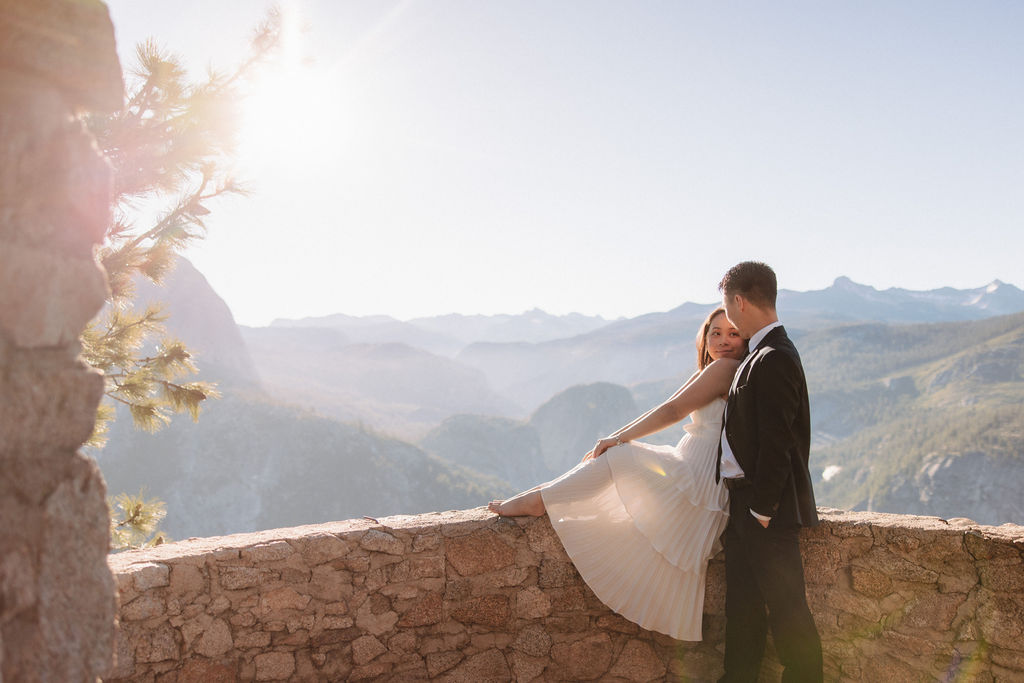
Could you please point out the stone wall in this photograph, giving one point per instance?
(57, 601)
(465, 596)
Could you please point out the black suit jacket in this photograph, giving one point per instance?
(768, 424)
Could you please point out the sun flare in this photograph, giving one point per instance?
(290, 115)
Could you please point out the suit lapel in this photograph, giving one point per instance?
(744, 367)
(740, 372)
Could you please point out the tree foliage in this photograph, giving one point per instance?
(134, 521)
(171, 151)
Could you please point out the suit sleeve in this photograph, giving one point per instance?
(778, 399)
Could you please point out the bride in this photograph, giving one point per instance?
(641, 521)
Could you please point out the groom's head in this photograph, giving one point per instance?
(748, 292)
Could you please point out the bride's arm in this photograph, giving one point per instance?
(668, 400)
(698, 391)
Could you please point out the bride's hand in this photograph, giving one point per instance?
(601, 446)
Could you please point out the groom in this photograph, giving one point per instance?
(764, 449)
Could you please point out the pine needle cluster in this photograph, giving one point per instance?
(134, 521)
(171, 148)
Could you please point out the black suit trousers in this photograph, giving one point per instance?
(765, 588)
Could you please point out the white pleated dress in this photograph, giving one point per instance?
(641, 521)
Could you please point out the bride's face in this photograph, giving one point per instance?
(724, 340)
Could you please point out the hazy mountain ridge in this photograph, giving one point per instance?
(448, 334)
(651, 347)
(528, 452)
(395, 387)
(876, 389)
(846, 301)
(199, 317)
(250, 464)
(935, 429)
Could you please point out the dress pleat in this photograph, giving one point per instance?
(641, 521)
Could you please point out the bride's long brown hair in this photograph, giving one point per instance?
(703, 357)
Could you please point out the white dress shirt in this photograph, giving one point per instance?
(730, 467)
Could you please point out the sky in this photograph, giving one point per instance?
(424, 157)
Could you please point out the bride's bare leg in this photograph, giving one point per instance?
(528, 503)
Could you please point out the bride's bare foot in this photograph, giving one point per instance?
(528, 503)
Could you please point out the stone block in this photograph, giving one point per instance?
(532, 603)
(416, 568)
(193, 628)
(373, 670)
(478, 553)
(378, 541)
(532, 640)
(274, 666)
(870, 582)
(526, 668)
(1002, 577)
(638, 662)
(281, 599)
(484, 667)
(1000, 619)
(187, 580)
(617, 623)
(70, 44)
(584, 660)
(375, 623)
(1012, 660)
(320, 548)
(409, 667)
(896, 567)
(328, 583)
(541, 538)
(366, 648)
(243, 619)
(51, 407)
(198, 670)
(143, 607)
(219, 605)
(984, 546)
(886, 667)
(46, 298)
(216, 639)
(489, 610)
(403, 641)
(556, 573)
(157, 645)
(428, 610)
(252, 639)
(934, 612)
(236, 578)
(479, 642)
(822, 562)
(426, 542)
(330, 622)
(572, 623)
(274, 551)
(150, 575)
(401, 592)
(571, 599)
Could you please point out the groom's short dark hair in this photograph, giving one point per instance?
(754, 281)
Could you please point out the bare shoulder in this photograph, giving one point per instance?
(721, 371)
(723, 365)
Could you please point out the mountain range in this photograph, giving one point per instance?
(344, 416)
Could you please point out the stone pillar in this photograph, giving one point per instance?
(57, 605)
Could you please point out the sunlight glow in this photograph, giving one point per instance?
(291, 117)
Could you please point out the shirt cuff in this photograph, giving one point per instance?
(760, 517)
